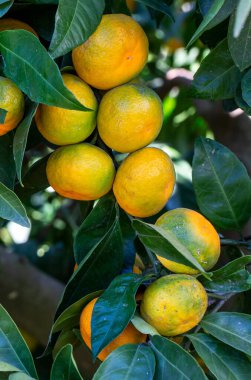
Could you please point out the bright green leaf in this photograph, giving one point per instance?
(242, 13)
(64, 366)
(142, 325)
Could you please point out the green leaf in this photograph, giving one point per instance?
(76, 20)
(70, 316)
(65, 337)
(20, 376)
(12, 345)
(40, 79)
(8, 356)
(164, 244)
(158, 5)
(94, 228)
(5, 5)
(96, 272)
(223, 361)
(217, 76)
(240, 47)
(207, 20)
(64, 366)
(245, 87)
(11, 207)
(218, 176)
(241, 102)
(173, 362)
(40, 1)
(232, 278)
(7, 164)
(20, 139)
(233, 329)
(35, 179)
(142, 325)
(128, 362)
(242, 13)
(3, 114)
(113, 310)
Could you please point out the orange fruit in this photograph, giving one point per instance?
(129, 335)
(196, 233)
(82, 171)
(12, 24)
(174, 304)
(129, 117)
(115, 53)
(144, 182)
(61, 126)
(12, 101)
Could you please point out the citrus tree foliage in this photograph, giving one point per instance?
(103, 239)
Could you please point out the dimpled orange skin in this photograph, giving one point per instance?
(129, 335)
(115, 53)
(196, 233)
(12, 101)
(144, 182)
(174, 304)
(129, 117)
(82, 171)
(61, 126)
(12, 24)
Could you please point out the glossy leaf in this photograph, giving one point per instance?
(233, 329)
(65, 337)
(11, 207)
(240, 47)
(232, 278)
(40, 79)
(94, 228)
(223, 361)
(5, 5)
(35, 179)
(128, 362)
(7, 164)
(217, 76)
(209, 17)
(70, 316)
(158, 5)
(142, 325)
(96, 272)
(242, 13)
(76, 20)
(245, 87)
(218, 176)
(173, 362)
(12, 345)
(8, 356)
(3, 114)
(113, 310)
(164, 244)
(20, 139)
(64, 366)
(20, 376)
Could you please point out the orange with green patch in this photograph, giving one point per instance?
(174, 304)
(196, 233)
(82, 172)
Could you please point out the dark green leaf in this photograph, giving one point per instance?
(11, 207)
(7, 164)
(218, 176)
(40, 1)
(165, 244)
(223, 361)
(3, 114)
(12, 345)
(232, 278)
(76, 20)
(158, 5)
(233, 329)
(65, 337)
(70, 317)
(217, 76)
(5, 5)
(173, 362)
(240, 47)
(96, 272)
(243, 9)
(113, 310)
(35, 179)
(20, 139)
(246, 87)
(40, 79)
(241, 102)
(94, 228)
(64, 366)
(128, 362)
